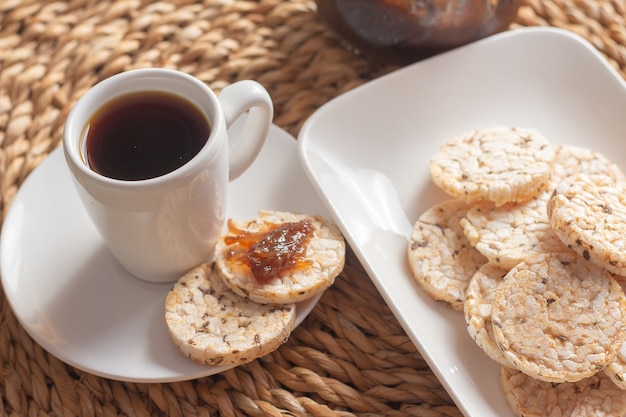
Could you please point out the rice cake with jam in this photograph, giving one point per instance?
(294, 277)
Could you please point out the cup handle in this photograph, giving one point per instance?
(235, 100)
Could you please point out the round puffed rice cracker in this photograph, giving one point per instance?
(595, 396)
(616, 370)
(478, 298)
(212, 325)
(571, 160)
(588, 213)
(558, 317)
(506, 235)
(324, 254)
(440, 257)
(499, 164)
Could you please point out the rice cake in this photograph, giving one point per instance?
(212, 325)
(571, 160)
(588, 213)
(477, 309)
(616, 370)
(440, 257)
(591, 397)
(321, 262)
(558, 317)
(498, 164)
(506, 235)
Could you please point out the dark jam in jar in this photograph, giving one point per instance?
(405, 31)
(269, 253)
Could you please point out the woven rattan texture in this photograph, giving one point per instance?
(350, 357)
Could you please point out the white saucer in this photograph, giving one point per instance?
(73, 299)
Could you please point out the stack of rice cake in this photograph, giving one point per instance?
(531, 248)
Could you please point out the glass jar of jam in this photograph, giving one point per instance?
(405, 31)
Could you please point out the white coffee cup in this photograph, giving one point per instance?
(158, 228)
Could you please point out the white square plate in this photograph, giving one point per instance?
(367, 154)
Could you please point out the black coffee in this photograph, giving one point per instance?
(144, 135)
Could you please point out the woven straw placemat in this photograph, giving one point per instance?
(350, 356)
